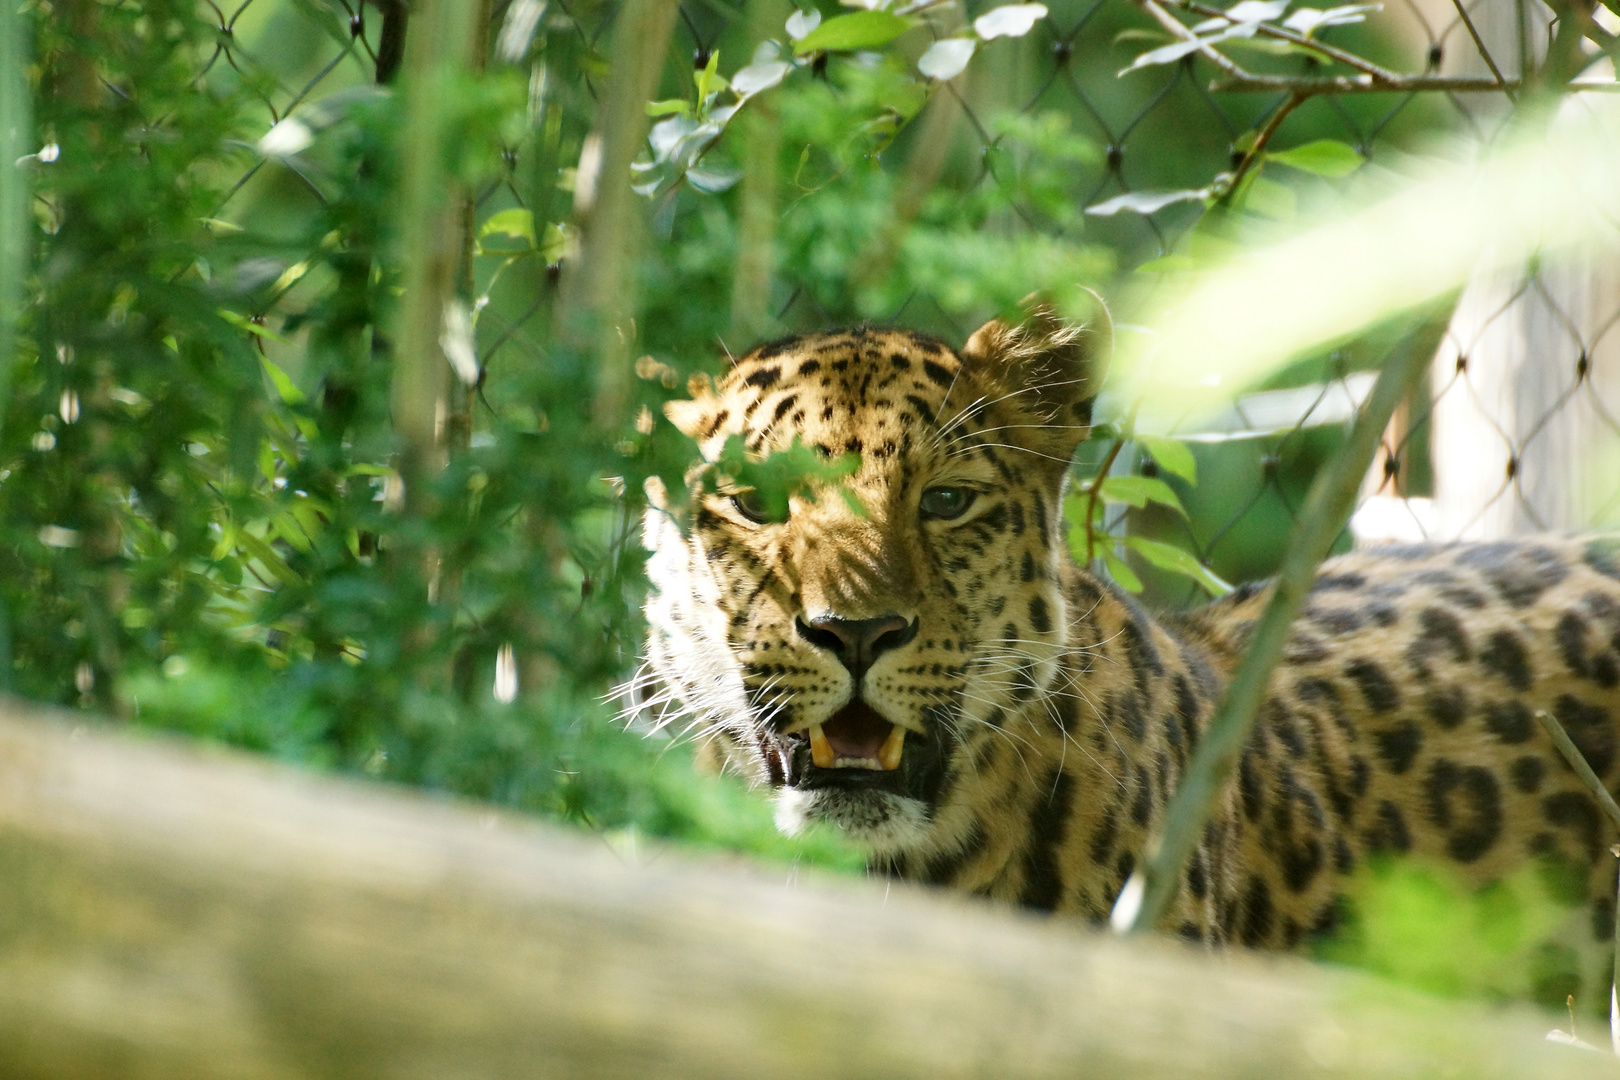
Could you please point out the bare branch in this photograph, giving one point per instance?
(1261, 140)
(1348, 59)
(1479, 43)
(1361, 84)
(1175, 26)
(1577, 761)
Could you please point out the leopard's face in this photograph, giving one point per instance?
(852, 655)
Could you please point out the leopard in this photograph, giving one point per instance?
(926, 667)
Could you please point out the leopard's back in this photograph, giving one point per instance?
(1402, 720)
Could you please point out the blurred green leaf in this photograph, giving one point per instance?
(1172, 456)
(1138, 491)
(517, 221)
(859, 30)
(1178, 561)
(1323, 157)
(1119, 569)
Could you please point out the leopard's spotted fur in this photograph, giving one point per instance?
(1048, 716)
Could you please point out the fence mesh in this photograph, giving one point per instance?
(1515, 433)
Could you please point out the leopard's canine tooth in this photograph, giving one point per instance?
(889, 753)
(821, 751)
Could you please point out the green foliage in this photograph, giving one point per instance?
(1418, 925)
(860, 30)
(1098, 500)
(775, 478)
(1323, 157)
(202, 525)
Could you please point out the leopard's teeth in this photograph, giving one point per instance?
(889, 753)
(821, 751)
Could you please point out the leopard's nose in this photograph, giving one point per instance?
(857, 642)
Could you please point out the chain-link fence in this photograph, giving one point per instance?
(1512, 435)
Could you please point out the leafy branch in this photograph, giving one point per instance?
(1087, 510)
(776, 478)
(690, 129)
(1296, 32)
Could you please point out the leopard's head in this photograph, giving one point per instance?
(850, 655)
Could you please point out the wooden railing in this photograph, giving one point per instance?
(168, 912)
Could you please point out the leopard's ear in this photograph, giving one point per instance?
(1052, 367)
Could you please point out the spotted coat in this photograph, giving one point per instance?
(1046, 717)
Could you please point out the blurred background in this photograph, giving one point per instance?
(344, 334)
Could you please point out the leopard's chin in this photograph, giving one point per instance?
(883, 822)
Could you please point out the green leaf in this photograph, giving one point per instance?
(227, 541)
(1122, 574)
(1270, 199)
(1324, 157)
(1138, 491)
(861, 30)
(284, 386)
(514, 222)
(1172, 456)
(778, 477)
(1145, 202)
(709, 80)
(266, 556)
(1177, 561)
(287, 527)
(243, 323)
(669, 107)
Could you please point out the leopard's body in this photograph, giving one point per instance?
(1047, 717)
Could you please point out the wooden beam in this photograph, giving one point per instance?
(169, 912)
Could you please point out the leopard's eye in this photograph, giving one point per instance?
(946, 503)
(751, 506)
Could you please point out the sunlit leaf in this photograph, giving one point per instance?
(670, 107)
(666, 135)
(1324, 157)
(1009, 20)
(801, 23)
(289, 136)
(756, 77)
(1178, 561)
(859, 30)
(1309, 20)
(713, 180)
(946, 59)
(1145, 202)
(1256, 10)
(517, 222)
(1166, 54)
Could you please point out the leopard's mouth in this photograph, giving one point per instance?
(857, 737)
(855, 749)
